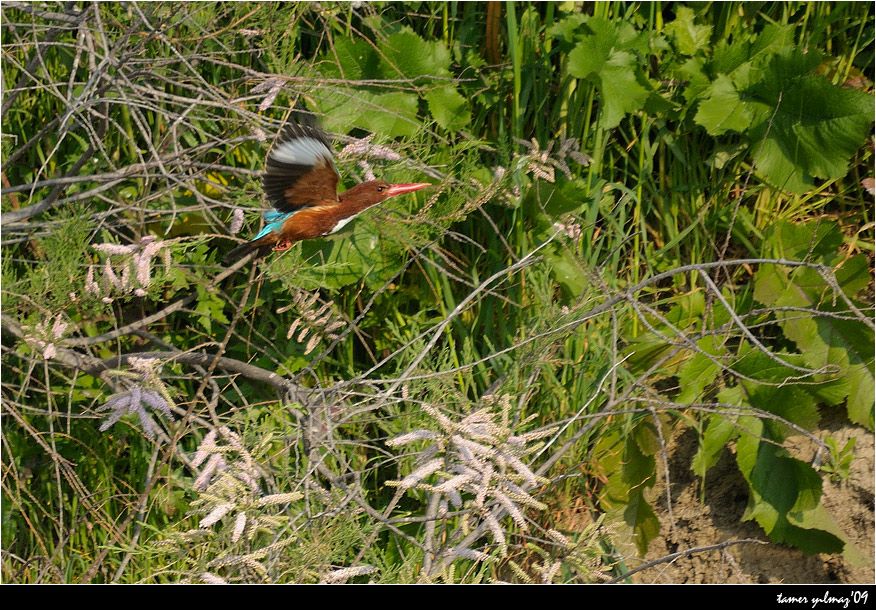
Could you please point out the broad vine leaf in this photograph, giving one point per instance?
(720, 430)
(782, 488)
(700, 370)
(348, 259)
(449, 108)
(640, 516)
(805, 127)
(861, 396)
(606, 56)
(770, 391)
(638, 473)
(845, 345)
(354, 59)
(689, 37)
(394, 113)
(566, 269)
(722, 108)
(407, 55)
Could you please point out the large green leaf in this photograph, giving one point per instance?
(606, 55)
(720, 430)
(405, 54)
(824, 341)
(448, 107)
(700, 370)
(689, 37)
(355, 255)
(640, 516)
(783, 488)
(722, 108)
(805, 127)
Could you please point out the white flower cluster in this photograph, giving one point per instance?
(230, 482)
(126, 268)
(134, 401)
(44, 338)
(542, 163)
(318, 322)
(477, 463)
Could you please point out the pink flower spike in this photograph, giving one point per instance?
(114, 248)
(236, 222)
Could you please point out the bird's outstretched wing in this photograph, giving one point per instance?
(300, 169)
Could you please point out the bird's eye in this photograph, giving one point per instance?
(380, 189)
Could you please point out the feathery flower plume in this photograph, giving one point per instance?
(216, 514)
(91, 286)
(236, 223)
(239, 526)
(367, 170)
(344, 574)
(114, 248)
(469, 554)
(410, 437)
(133, 401)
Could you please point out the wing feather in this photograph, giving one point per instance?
(300, 170)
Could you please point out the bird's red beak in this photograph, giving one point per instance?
(401, 189)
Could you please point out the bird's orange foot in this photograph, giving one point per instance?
(282, 245)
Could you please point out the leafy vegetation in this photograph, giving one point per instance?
(646, 218)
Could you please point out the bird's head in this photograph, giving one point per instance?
(373, 192)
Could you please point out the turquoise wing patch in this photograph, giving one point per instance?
(274, 220)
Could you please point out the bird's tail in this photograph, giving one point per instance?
(243, 249)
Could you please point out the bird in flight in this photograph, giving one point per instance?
(300, 182)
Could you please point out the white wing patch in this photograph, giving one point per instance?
(302, 151)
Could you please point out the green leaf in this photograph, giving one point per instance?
(700, 370)
(394, 114)
(556, 199)
(356, 255)
(606, 57)
(566, 269)
(861, 397)
(689, 38)
(352, 59)
(640, 516)
(692, 71)
(806, 128)
(814, 240)
(405, 54)
(722, 109)
(784, 491)
(647, 437)
(449, 108)
(720, 430)
(568, 27)
(210, 307)
(788, 401)
(621, 92)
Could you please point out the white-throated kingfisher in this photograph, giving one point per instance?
(301, 182)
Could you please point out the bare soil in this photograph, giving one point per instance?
(692, 523)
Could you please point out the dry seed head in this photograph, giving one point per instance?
(311, 345)
(512, 509)
(342, 575)
(212, 579)
(410, 437)
(239, 526)
(275, 499)
(421, 473)
(469, 554)
(498, 534)
(216, 514)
